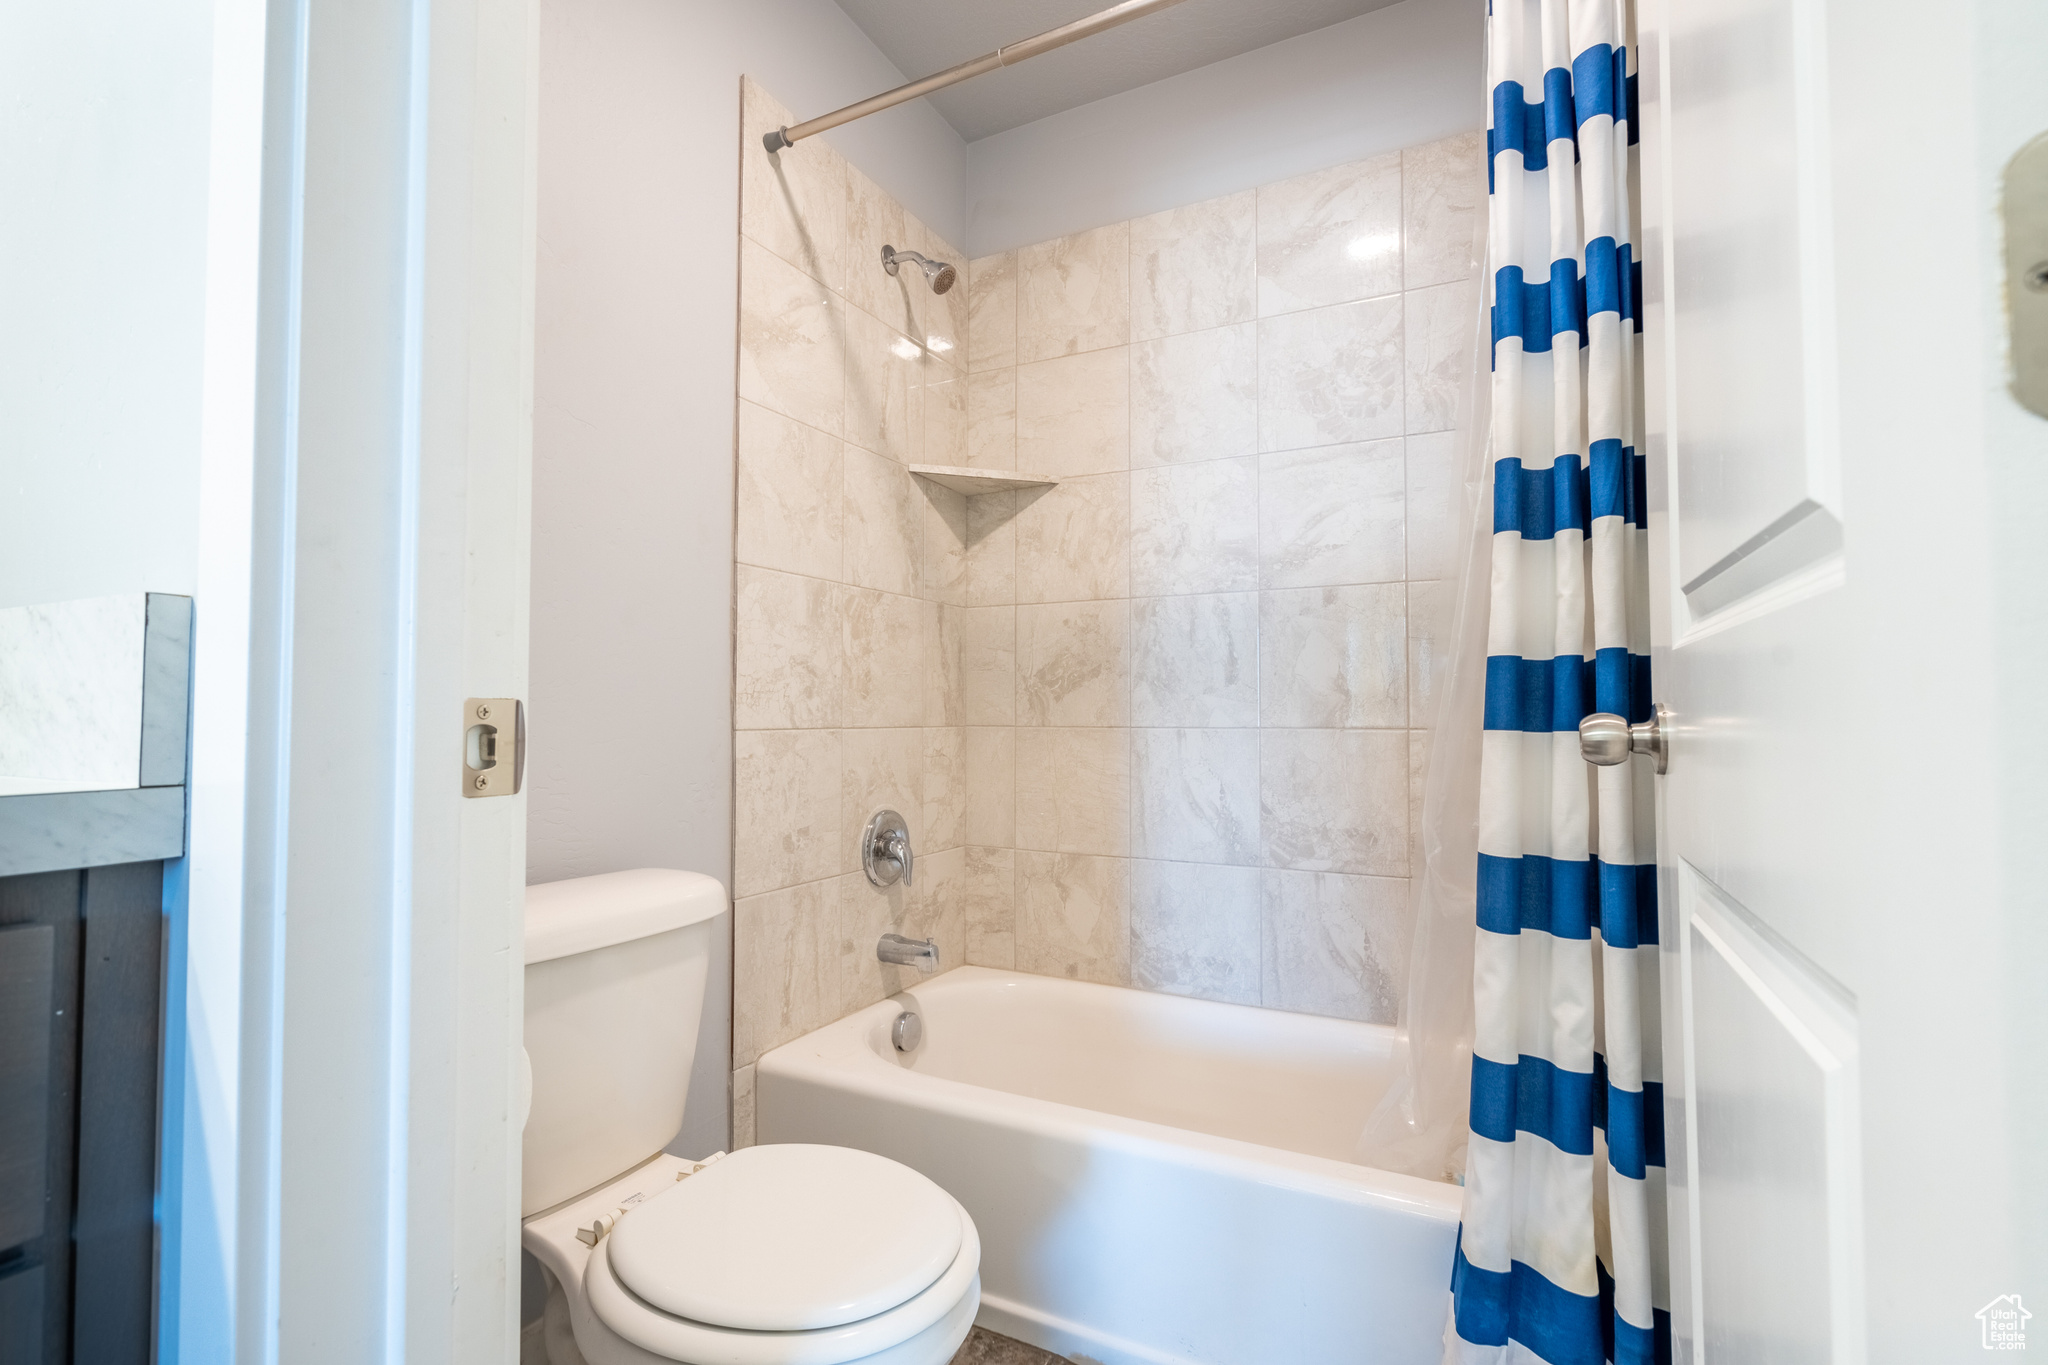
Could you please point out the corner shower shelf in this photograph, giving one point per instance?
(972, 481)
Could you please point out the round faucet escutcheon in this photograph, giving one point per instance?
(885, 849)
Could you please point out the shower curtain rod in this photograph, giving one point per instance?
(953, 75)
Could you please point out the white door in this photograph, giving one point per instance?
(1843, 1023)
(375, 1141)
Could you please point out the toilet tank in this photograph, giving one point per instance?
(615, 970)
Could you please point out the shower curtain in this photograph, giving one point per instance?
(1561, 1249)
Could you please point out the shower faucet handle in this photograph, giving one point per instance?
(885, 849)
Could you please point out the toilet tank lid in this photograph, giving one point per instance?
(584, 914)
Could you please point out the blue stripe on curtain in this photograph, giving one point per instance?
(1558, 123)
(1596, 84)
(1534, 1096)
(1616, 484)
(1604, 276)
(1541, 502)
(1631, 285)
(1529, 127)
(1537, 695)
(1562, 1327)
(1634, 1124)
(1543, 696)
(1621, 684)
(1563, 1107)
(1593, 85)
(1632, 1119)
(1539, 313)
(1563, 897)
(1625, 1343)
(1548, 1318)
(1517, 124)
(1552, 895)
(1628, 903)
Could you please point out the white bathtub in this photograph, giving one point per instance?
(1154, 1179)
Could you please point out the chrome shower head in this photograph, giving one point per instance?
(938, 274)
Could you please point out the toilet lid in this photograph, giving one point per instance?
(788, 1238)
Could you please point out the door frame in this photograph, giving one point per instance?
(341, 1149)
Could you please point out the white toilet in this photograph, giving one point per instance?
(781, 1255)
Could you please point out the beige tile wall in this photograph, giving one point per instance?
(1198, 674)
(850, 603)
(1161, 724)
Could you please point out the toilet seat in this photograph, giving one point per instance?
(788, 1238)
(669, 1246)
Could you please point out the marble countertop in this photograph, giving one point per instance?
(94, 718)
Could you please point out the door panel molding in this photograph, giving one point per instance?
(1772, 1142)
(1802, 537)
(1740, 334)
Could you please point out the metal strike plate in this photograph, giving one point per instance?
(493, 746)
(2025, 206)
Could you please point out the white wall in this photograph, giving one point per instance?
(103, 156)
(1397, 77)
(631, 758)
(110, 182)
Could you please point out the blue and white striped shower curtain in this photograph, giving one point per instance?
(1561, 1254)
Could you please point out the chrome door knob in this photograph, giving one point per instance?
(1606, 739)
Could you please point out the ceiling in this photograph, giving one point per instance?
(924, 36)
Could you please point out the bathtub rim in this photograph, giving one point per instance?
(840, 1056)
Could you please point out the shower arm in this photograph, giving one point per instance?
(953, 75)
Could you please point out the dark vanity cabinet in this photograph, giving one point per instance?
(81, 1009)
